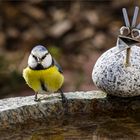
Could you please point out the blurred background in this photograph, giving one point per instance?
(76, 32)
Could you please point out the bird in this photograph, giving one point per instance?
(43, 73)
(129, 34)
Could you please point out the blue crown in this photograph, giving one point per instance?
(39, 48)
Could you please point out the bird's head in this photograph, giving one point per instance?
(130, 33)
(39, 58)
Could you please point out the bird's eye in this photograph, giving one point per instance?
(44, 56)
(124, 30)
(34, 57)
(135, 33)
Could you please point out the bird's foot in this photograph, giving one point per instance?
(37, 100)
(65, 103)
(64, 99)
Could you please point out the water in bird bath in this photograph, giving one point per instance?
(80, 127)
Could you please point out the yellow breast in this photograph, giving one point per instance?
(51, 78)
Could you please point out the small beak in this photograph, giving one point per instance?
(39, 61)
(128, 41)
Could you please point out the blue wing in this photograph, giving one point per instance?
(58, 66)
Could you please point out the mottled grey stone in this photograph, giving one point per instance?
(112, 76)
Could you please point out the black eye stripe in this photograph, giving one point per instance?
(44, 56)
(34, 57)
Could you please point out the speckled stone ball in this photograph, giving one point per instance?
(112, 76)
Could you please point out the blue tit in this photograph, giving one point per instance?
(43, 73)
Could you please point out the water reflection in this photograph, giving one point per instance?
(77, 128)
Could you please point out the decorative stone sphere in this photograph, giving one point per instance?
(112, 76)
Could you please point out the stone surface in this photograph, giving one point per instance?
(21, 110)
(79, 127)
(112, 76)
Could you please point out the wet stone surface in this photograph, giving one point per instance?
(86, 115)
(77, 127)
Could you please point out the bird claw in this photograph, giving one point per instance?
(64, 103)
(37, 100)
(64, 100)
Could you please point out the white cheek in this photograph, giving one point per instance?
(47, 61)
(32, 62)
